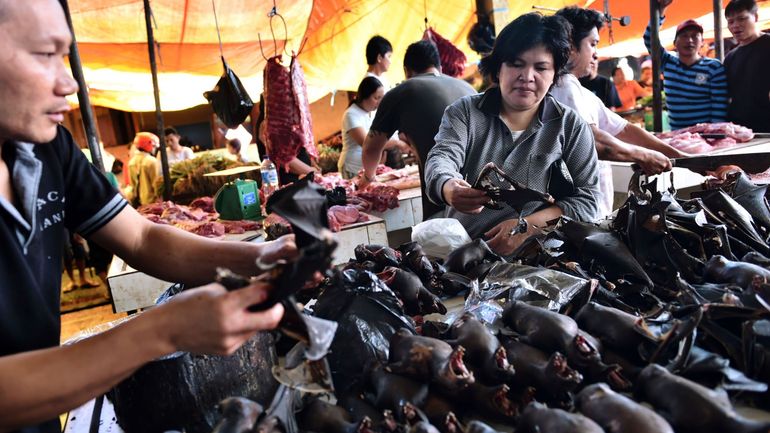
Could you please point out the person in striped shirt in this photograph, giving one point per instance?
(695, 86)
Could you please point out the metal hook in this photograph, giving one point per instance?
(272, 14)
(259, 38)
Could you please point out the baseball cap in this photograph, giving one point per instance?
(146, 141)
(686, 24)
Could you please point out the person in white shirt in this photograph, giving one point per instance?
(175, 151)
(234, 148)
(355, 125)
(239, 151)
(616, 139)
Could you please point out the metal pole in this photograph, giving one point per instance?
(86, 112)
(719, 44)
(657, 101)
(156, 92)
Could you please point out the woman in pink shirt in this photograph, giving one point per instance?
(628, 90)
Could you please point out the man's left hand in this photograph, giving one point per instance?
(361, 182)
(503, 241)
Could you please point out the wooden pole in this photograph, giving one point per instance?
(719, 44)
(86, 111)
(156, 92)
(657, 100)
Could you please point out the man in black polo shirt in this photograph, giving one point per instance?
(414, 108)
(46, 184)
(602, 87)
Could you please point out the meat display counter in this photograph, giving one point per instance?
(407, 214)
(683, 178)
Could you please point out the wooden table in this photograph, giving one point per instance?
(407, 214)
(683, 178)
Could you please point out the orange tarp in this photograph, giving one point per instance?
(111, 36)
(628, 40)
(112, 39)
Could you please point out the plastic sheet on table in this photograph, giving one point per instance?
(543, 287)
(482, 302)
(98, 329)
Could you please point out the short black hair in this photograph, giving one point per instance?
(524, 33)
(377, 46)
(422, 55)
(235, 144)
(583, 21)
(170, 130)
(366, 88)
(117, 166)
(738, 6)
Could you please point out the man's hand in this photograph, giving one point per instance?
(652, 161)
(459, 194)
(362, 181)
(502, 241)
(211, 320)
(283, 248)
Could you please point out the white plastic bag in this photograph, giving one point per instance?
(440, 236)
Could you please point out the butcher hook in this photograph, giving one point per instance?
(272, 14)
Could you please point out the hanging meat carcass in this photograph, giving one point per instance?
(287, 112)
(452, 59)
(299, 89)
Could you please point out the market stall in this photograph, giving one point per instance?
(656, 319)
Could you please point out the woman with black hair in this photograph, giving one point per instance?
(518, 126)
(355, 124)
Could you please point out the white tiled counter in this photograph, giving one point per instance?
(407, 214)
(683, 178)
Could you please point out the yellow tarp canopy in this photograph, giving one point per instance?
(112, 40)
